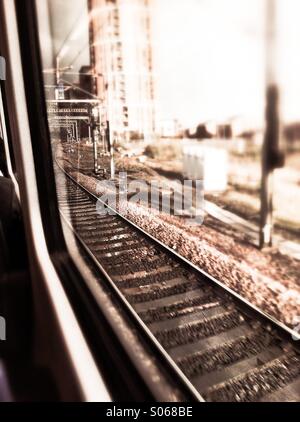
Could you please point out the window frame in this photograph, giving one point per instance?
(125, 378)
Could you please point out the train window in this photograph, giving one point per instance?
(166, 133)
(168, 122)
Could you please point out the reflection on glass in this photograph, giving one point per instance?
(172, 90)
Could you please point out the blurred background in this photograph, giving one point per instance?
(194, 89)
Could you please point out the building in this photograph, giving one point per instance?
(120, 39)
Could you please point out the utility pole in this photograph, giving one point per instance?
(95, 136)
(59, 90)
(272, 157)
(110, 144)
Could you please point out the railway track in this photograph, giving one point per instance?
(224, 349)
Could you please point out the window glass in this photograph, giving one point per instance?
(178, 114)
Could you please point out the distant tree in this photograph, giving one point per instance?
(201, 133)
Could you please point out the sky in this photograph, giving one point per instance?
(209, 59)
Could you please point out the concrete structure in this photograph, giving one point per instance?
(120, 40)
(204, 162)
